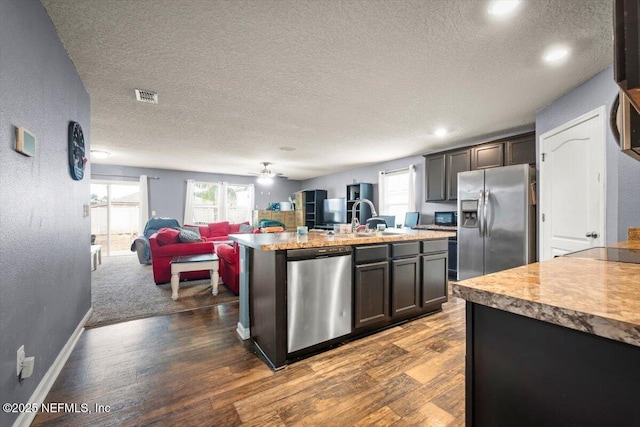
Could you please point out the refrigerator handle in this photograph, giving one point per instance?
(479, 214)
(485, 215)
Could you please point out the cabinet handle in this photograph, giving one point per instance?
(486, 207)
(593, 234)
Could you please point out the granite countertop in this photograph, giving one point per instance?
(317, 239)
(436, 227)
(594, 296)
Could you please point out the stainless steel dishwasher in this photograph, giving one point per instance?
(318, 295)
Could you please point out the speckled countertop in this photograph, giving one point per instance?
(280, 241)
(437, 227)
(593, 296)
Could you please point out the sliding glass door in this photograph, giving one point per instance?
(115, 216)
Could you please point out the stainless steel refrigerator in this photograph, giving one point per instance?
(496, 220)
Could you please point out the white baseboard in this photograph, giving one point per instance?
(245, 333)
(40, 393)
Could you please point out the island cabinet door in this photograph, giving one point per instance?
(371, 294)
(434, 280)
(405, 286)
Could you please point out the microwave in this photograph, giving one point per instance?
(445, 218)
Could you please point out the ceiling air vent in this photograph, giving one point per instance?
(146, 96)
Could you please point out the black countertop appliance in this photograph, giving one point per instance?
(448, 218)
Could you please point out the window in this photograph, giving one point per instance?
(206, 208)
(397, 192)
(115, 215)
(239, 202)
(218, 201)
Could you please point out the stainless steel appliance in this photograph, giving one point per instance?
(449, 218)
(625, 125)
(318, 295)
(496, 220)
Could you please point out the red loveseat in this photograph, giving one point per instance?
(217, 231)
(164, 245)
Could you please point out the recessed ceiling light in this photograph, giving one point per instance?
(556, 54)
(440, 132)
(100, 154)
(502, 7)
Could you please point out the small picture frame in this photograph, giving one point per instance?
(25, 142)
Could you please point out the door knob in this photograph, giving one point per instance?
(593, 234)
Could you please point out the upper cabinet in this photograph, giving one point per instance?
(434, 184)
(487, 156)
(457, 161)
(521, 150)
(441, 169)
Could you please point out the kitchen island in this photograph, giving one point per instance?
(555, 342)
(348, 285)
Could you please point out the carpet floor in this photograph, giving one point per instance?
(123, 289)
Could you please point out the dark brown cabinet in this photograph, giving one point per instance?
(405, 278)
(457, 161)
(405, 275)
(487, 156)
(441, 174)
(434, 279)
(442, 169)
(520, 151)
(434, 169)
(371, 293)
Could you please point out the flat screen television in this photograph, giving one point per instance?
(335, 211)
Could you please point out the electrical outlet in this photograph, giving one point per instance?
(20, 359)
(85, 210)
(153, 213)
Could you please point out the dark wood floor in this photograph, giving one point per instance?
(191, 369)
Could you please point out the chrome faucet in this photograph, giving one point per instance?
(354, 218)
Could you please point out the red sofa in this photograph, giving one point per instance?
(164, 245)
(217, 231)
(229, 262)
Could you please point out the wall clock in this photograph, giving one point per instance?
(77, 160)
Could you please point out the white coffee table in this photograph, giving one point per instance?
(181, 264)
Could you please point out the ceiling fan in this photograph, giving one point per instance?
(265, 176)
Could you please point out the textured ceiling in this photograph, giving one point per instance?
(346, 83)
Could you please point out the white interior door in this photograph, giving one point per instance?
(572, 185)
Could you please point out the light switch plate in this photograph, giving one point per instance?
(19, 358)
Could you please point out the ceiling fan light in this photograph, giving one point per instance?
(264, 180)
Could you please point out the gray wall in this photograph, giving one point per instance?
(623, 172)
(167, 194)
(45, 279)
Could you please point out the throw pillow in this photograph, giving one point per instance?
(167, 236)
(188, 236)
(192, 228)
(235, 228)
(217, 229)
(245, 228)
